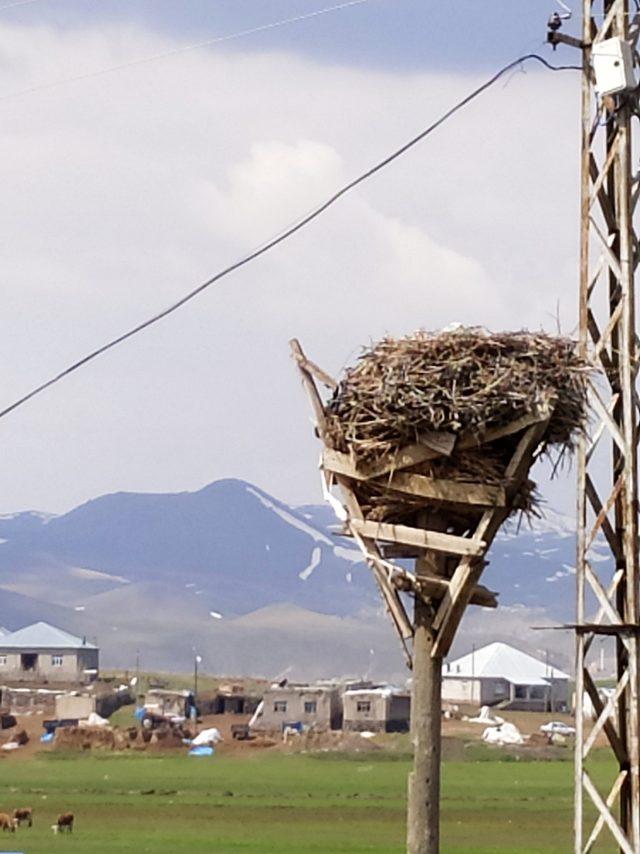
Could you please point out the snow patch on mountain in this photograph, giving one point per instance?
(316, 556)
(83, 572)
(290, 518)
(348, 554)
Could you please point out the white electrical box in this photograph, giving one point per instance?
(612, 61)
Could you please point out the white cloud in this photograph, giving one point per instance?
(126, 190)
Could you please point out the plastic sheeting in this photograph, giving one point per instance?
(207, 736)
(201, 751)
(485, 718)
(503, 734)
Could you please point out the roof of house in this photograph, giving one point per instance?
(499, 660)
(377, 691)
(43, 636)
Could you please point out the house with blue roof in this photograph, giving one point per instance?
(42, 653)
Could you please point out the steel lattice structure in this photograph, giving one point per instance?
(607, 590)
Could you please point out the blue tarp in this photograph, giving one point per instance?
(139, 713)
(47, 737)
(201, 751)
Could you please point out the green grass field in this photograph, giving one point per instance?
(270, 802)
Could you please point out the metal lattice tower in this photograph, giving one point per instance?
(607, 590)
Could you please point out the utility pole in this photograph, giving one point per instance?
(607, 463)
(423, 795)
(448, 567)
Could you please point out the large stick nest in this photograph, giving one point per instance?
(463, 382)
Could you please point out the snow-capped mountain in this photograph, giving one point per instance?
(256, 582)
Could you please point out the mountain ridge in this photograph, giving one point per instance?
(231, 568)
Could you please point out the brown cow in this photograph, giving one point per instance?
(7, 823)
(65, 822)
(23, 814)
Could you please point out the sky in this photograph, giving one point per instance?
(124, 190)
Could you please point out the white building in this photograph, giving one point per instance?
(501, 674)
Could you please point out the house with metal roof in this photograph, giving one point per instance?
(501, 675)
(43, 653)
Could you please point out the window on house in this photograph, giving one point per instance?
(499, 690)
(3, 660)
(29, 661)
(310, 707)
(56, 661)
(521, 692)
(538, 692)
(280, 706)
(363, 706)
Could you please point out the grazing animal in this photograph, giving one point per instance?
(65, 822)
(23, 814)
(7, 823)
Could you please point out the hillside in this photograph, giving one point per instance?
(254, 584)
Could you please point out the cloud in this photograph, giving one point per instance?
(126, 190)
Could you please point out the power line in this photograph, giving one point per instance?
(132, 63)
(18, 3)
(285, 235)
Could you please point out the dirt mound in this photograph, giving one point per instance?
(333, 741)
(84, 738)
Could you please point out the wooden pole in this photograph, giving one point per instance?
(423, 817)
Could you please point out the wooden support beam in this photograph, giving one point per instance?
(447, 491)
(307, 365)
(605, 812)
(612, 734)
(436, 587)
(608, 711)
(390, 596)
(411, 455)
(468, 571)
(435, 489)
(454, 603)
(611, 799)
(309, 386)
(434, 540)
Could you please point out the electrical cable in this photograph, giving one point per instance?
(285, 235)
(261, 28)
(18, 3)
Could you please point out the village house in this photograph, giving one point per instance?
(500, 674)
(312, 706)
(376, 709)
(41, 653)
(232, 698)
(168, 704)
